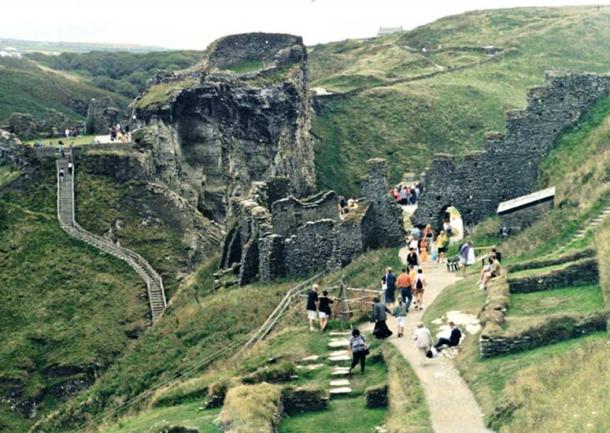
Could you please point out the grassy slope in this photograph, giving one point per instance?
(408, 122)
(63, 303)
(26, 88)
(535, 390)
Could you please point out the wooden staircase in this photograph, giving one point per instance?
(65, 215)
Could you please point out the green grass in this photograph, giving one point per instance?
(187, 415)
(8, 173)
(583, 299)
(246, 66)
(77, 141)
(539, 271)
(64, 305)
(345, 415)
(449, 112)
(160, 94)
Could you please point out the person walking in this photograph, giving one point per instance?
(70, 168)
(403, 284)
(419, 285)
(466, 255)
(379, 316)
(312, 306)
(412, 259)
(455, 335)
(358, 349)
(324, 307)
(388, 284)
(400, 312)
(61, 174)
(423, 250)
(423, 340)
(441, 246)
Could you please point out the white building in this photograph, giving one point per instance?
(10, 52)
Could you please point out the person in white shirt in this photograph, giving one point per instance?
(423, 340)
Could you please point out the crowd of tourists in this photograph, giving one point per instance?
(406, 194)
(346, 205)
(119, 133)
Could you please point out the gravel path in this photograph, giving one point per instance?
(453, 408)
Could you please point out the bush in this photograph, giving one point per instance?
(251, 409)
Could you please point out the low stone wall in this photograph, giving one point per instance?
(496, 304)
(543, 263)
(376, 396)
(557, 328)
(304, 399)
(582, 272)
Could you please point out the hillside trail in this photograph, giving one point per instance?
(453, 408)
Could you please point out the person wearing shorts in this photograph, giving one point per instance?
(324, 307)
(312, 306)
(419, 284)
(400, 312)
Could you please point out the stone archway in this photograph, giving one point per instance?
(451, 218)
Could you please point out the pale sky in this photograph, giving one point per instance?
(194, 24)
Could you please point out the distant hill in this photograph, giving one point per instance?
(73, 47)
(441, 86)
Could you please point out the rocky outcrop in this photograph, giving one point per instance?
(476, 183)
(11, 149)
(101, 115)
(214, 133)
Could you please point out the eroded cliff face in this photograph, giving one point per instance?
(242, 115)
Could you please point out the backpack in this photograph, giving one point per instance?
(419, 284)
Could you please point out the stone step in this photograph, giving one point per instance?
(340, 371)
(338, 353)
(338, 342)
(310, 367)
(340, 390)
(311, 358)
(340, 334)
(339, 358)
(339, 382)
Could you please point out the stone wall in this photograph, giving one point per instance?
(476, 183)
(582, 272)
(558, 328)
(522, 218)
(290, 212)
(304, 236)
(543, 263)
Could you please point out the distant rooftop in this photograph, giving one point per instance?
(526, 200)
(388, 30)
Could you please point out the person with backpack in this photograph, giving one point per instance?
(419, 285)
(324, 307)
(358, 349)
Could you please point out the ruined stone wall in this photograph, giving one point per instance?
(585, 271)
(311, 248)
(290, 212)
(476, 183)
(524, 217)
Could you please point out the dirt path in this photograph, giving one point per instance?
(453, 408)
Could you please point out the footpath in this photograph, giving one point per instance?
(453, 408)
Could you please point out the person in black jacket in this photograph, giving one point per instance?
(324, 309)
(312, 306)
(412, 258)
(452, 341)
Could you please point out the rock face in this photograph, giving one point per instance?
(11, 149)
(301, 237)
(508, 168)
(101, 116)
(213, 132)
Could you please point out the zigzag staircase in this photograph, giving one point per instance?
(65, 215)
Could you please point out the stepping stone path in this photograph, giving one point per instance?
(311, 358)
(338, 342)
(310, 367)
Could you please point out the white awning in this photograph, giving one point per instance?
(525, 200)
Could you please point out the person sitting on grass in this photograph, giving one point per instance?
(358, 350)
(453, 340)
(494, 270)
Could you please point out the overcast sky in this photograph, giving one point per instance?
(193, 24)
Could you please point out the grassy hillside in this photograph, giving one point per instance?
(26, 88)
(67, 311)
(392, 107)
(556, 387)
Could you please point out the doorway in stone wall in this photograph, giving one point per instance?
(452, 223)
